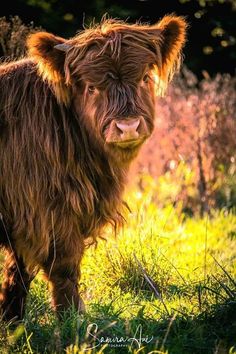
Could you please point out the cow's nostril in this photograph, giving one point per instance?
(128, 129)
(119, 130)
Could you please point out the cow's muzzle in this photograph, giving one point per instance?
(128, 132)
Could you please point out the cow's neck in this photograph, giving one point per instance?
(101, 178)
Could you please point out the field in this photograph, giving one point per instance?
(164, 284)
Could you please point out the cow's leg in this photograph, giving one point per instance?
(15, 288)
(64, 272)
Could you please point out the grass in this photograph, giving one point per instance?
(165, 284)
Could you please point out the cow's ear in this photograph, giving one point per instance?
(171, 35)
(46, 51)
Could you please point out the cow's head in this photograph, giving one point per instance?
(111, 74)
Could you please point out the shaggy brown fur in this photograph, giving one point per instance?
(73, 114)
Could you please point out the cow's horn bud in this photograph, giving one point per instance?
(63, 47)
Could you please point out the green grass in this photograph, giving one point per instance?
(166, 278)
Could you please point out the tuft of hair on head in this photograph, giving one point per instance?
(165, 39)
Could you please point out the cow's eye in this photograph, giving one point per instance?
(146, 78)
(91, 90)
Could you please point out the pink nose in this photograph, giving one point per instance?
(128, 129)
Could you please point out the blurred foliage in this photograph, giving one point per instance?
(192, 152)
(13, 34)
(211, 35)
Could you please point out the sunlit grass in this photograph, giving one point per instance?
(166, 274)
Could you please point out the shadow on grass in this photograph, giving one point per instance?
(213, 331)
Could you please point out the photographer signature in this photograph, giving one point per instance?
(137, 339)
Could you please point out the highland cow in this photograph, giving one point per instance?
(73, 115)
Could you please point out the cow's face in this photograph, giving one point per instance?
(112, 73)
(115, 97)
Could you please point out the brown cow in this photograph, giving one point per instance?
(73, 114)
